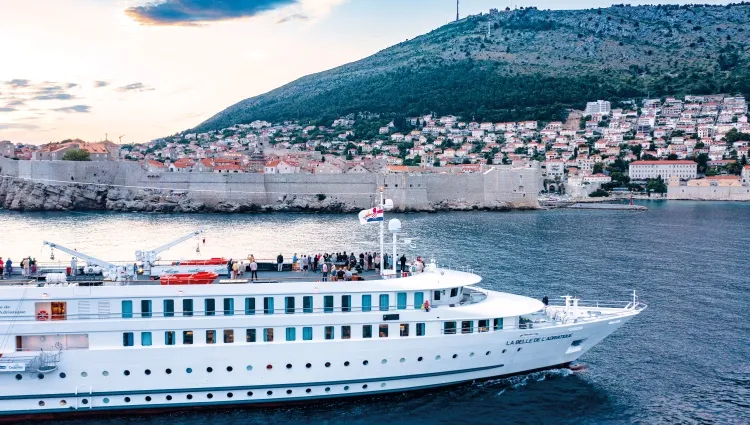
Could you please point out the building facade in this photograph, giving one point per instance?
(644, 170)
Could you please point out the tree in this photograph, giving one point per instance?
(598, 168)
(672, 156)
(656, 185)
(702, 161)
(599, 193)
(77, 155)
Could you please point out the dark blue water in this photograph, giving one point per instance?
(686, 359)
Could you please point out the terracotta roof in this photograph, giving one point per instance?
(228, 167)
(155, 163)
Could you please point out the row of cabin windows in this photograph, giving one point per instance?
(467, 326)
(251, 335)
(209, 305)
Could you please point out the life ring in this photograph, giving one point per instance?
(42, 315)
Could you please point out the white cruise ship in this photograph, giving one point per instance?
(69, 349)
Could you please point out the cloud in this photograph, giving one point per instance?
(99, 84)
(75, 108)
(135, 87)
(55, 96)
(8, 109)
(15, 102)
(294, 17)
(191, 12)
(17, 83)
(12, 126)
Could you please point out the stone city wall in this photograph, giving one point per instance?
(709, 193)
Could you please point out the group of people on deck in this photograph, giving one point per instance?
(28, 267)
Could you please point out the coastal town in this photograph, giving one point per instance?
(695, 141)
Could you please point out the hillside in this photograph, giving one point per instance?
(533, 64)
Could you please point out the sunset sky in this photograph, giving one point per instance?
(145, 69)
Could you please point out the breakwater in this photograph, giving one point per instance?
(126, 186)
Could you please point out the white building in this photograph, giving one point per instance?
(643, 170)
(599, 107)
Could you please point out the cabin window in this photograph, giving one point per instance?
(127, 339)
(127, 309)
(404, 329)
(268, 334)
(187, 337)
(346, 303)
(187, 307)
(497, 324)
(454, 292)
(328, 332)
(59, 310)
(401, 300)
(168, 308)
(328, 304)
(383, 302)
(366, 331)
(307, 333)
(210, 337)
(210, 305)
(366, 302)
(229, 306)
(250, 335)
(418, 300)
(145, 308)
(420, 329)
(146, 339)
(449, 328)
(289, 305)
(249, 306)
(268, 305)
(484, 325)
(228, 336)
(169, 338)
(291, 334)
(307, 304)
(467, 326)
(437, 295)
(346, 332)
(383, 331)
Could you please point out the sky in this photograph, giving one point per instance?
(137, 70)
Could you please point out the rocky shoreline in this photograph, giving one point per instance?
(20, 195)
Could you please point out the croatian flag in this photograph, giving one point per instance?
(370, 216)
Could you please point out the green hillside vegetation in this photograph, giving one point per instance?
(527, 64)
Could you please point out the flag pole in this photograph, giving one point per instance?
(382, 230)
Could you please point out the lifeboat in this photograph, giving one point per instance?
(200, 278)
(209, 262)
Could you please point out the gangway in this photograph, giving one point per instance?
(149, 257)
(114, 272)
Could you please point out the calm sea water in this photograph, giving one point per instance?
(686, 359)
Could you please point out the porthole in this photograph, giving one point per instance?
(249, 367)
(288, 366)
(85, 401)
(106, 400)
(63, 375)
(19, 377)
(189, 370)
(168, 371)
(384, 361)
(488, 353)
(365, 363)
(288, 392)
(148, 398)
(40, 376)
(105, 373)
(346, 363)
(364, 387)
(63, 403)
(84, 374)
(41, 403)
(189, 397)
(209, 395)
(230, 395)
(402, 360)
(249, 393)
(419, 359)
(308, 365)
(519, 349)
(328, 389)
(437, 357)
(471, 354)
(230, 368)
(455, 356)
(127, 399)
(169, 398)
(126, 373)
(148, 372)
(209, 369)
(269, 392)
(328, 364)
(308, 390)
(269, 367)
(382, 385)
(346, 388)
(504, 351)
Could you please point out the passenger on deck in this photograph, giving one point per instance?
(304, 264)
(2, 268)
(8, 267)
(253, 270)
(324, 269)
(280, 262)
(295, 259)
(229, 268)
(403, 263)
(348, 275)
(340, 274)
(376, 261)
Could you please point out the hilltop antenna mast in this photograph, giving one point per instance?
(457, 15)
